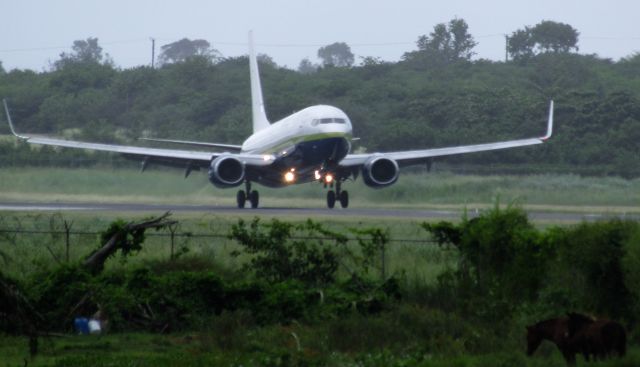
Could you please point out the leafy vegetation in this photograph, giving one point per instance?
(309, 298)
(547, 36)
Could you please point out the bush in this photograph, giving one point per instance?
(502, 262)
(506, 265)
(278, 255)
(631, 269)
(59, 292)
(590, 266)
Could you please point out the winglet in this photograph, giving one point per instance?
(260, 120)
(549, 123)
(13, 131)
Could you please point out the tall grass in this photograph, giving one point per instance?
(438, 189)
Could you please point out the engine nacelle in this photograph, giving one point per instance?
(380, 172)
(226, 171)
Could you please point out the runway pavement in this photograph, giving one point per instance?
(302, 212)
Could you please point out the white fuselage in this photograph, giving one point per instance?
(311, 124)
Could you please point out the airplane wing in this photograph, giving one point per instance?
(231, 147)
(406, 158)
(172, 157)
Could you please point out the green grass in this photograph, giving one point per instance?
(413, 190)
(267, 346)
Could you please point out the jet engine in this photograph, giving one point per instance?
(380, 172)
(226, 171)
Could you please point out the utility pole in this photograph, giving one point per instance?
(153, 52)
(506, 48)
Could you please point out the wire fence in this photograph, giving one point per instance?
(60, 242)
(20, 248)
(168, 234)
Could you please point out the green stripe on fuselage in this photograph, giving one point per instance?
(304, 138)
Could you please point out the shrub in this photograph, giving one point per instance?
(59, 292)
(591, 263)
(631, 269)
(502, 262)
(278, 255)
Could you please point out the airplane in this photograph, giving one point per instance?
(311, 145)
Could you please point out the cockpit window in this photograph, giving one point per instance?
(328, 121)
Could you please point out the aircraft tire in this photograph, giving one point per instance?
(241, 198)
(331, 199)
(344, 199)
(254, 198)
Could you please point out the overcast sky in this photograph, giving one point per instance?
(33, 33)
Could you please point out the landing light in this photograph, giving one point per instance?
(317, 175)
(328, 178)
(289, 177)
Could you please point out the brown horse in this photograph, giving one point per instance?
(597, 338)
(578, 333)
(556, 331)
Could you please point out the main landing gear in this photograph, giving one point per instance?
(252, 196)
(339, 195)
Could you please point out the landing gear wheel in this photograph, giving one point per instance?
(344, 199)
(254, 198)
(331, 199)
(241, 198)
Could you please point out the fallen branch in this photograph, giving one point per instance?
(120, 241)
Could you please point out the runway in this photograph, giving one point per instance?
(301, 212)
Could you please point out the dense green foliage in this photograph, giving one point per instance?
(287, 278)
(291, 311)
(417, 102)
(447, 44)
(546, 36)
(276, 259)
(507, 268)
(500, 255)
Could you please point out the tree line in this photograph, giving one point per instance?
(436, 95)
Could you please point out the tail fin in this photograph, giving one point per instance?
(260, 120)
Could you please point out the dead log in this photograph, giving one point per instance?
(126, 237)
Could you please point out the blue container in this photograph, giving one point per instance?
(82, 325)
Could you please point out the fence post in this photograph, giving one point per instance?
(67, 232)
(172, 232)
(384, 262)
